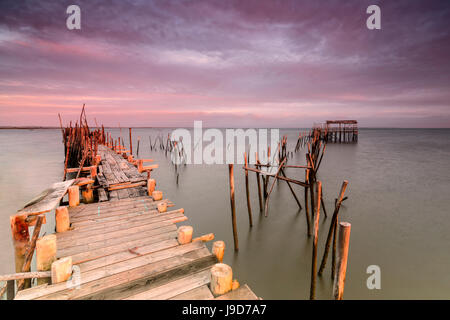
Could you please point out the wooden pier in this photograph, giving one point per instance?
(339, 131)
(125, 246)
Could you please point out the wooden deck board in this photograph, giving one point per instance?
(200, 293)
(242, 293)
(176, 287)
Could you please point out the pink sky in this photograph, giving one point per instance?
(253, 63)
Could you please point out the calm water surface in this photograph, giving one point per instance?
(398, 205)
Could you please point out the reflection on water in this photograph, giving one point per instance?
(398, 206)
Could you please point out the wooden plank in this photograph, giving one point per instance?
(176, 287)
(130, 253)
(118, 225)
(122, 246)
(84, 209)
(95, 245)
(77, 241)
(200, 293)
(99, 219)
(242, 293)
(127, 219)
(126, 186)
(64, 244)
(48, 199)
(102, 211)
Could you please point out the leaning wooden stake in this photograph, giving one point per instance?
(233, 207)
(339, 279)
(332, 226)
(247, 191)
(259, 185)
(266, 207)
(312, 293)
(131, 143)
(308, 219)
(30, 250)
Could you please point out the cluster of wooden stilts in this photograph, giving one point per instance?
(276, 170)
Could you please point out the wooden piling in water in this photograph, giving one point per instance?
(131, 142)
(332, 226)
(258, 181)
(247, 191)
(312, 292)
(339, 279)
(218, 250)
(233, 207)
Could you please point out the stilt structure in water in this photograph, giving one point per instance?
(339, 131)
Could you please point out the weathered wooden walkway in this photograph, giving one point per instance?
(126, 249)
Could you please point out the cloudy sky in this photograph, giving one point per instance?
(252, 63)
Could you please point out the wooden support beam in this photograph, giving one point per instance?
(30, 250)
(233, 207)
(25, 275)
(339, 279)
(312, 292)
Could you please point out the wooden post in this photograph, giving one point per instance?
(88, 194)
(312, 293)
(185, 234)
(61, 270)
(259, 185)
(20, 237)
(45, 255)
(221, 279)
(218, 250)
(333, 252)
(162, 207)
(93, 170)
(247, 191)
(74, 196)
(62, 219)
(131, 143)
(233, 207)
(157, 195)
(151, 184)
(308, 219)
(339, 279)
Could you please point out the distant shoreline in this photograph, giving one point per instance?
(364, 128)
